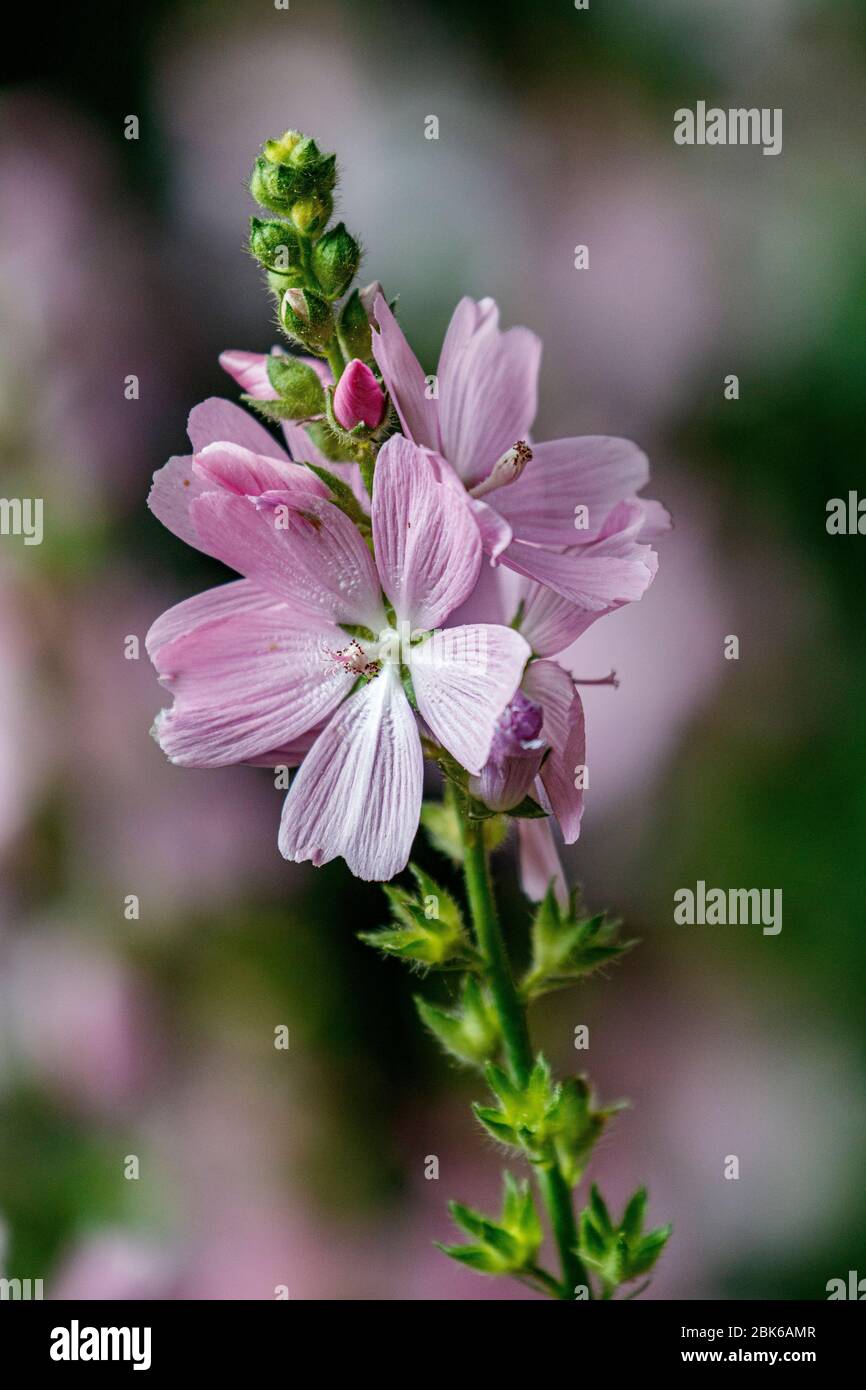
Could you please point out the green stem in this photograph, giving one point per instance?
(512, 1018)
(554, 1189)
(556, 1195)
(336, 360)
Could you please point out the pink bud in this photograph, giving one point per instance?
(359, 398)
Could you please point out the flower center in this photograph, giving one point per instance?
(355, 659)
(505, 470)
(519, 728)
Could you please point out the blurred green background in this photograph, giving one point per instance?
(153, 1037)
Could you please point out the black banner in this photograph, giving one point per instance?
(224, 1338)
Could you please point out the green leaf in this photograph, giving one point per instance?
(297, 385)
(633, 1216)
(526, 1117)
(473, 1256)
(342, 495)
(471, 1032)
(274, 411)
(506, 1246)
(565, 948)
(496, 1125)
(648, 1251)
(618, 1253)
(430, 929)
(441, 820)
(528, 809)
(578, 1126)
(439, 900)
(600, 1214)
(328, 444)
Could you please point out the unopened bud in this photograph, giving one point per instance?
(505, 470)
(336, 257)
(290, 169)
(276, 245)
(298, 386)
(358, 399)
(307, 318)
(311, 215)
(280, 151)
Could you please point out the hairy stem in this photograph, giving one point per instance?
(555, 1191)
(512, 1018)
(336, 360)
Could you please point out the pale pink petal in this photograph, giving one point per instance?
(539, 861)
(248, 683)
(358, 792)
(597, 582)
(657, 520)
(216, 421)
(175, 486)
(622, 525)
(463, 678)
(304, 551)
(496, 534)
(250, 371)
(239, 470)
(553, 689)
(404, 377)
(595, 472)
(503, 783)
(428, 548)
(469, 319)
(228, 600)
(549, 622)
(487, 391)
(291, 754)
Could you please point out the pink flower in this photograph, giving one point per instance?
(268, 666)
(250, 371)
(538, 746)
(231, 451)
(537, 750)
(358, 399)
(549, 510)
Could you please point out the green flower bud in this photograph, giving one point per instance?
(312, 214)
(308, 319)
(506, 1246)
(297, 385)
(289, 169)
(275, 186)
(353, 328)
(276, 245)
(280, 151)
(304, 151)
(280, 283)
(336, 257)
